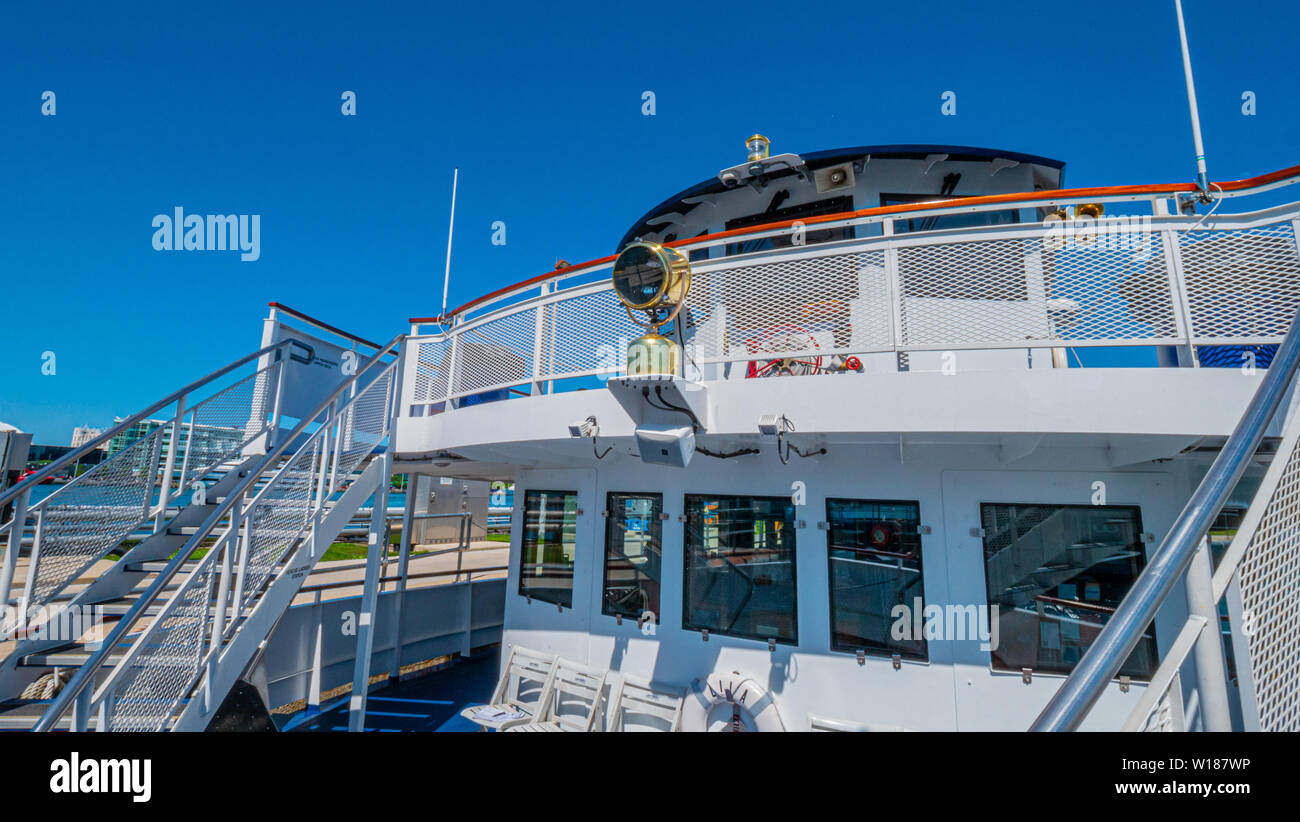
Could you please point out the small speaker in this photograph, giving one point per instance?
(834, 178)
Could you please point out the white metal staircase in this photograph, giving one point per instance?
(201, 591)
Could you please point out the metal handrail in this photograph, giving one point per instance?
(1180, 324)
(85, 674)
(82, 450)
(1125, 629)
(553, 280)
(961, 205)
(356, 583)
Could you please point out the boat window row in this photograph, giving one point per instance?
(1054, 573)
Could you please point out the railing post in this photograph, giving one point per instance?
(277, 402)
(314, 683)
(241, 520)
(165, 488)
(894, 295)
(33, 565)
(453, 351)
(369, 601)
(227, 547)
(17, 527)
(403, 564)
(1178, 293)
(539, 343)
(81, 711)
(1211, 675)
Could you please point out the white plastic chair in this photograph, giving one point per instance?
(826, 723)
(643, 706)
(525, 686)
(573, 701)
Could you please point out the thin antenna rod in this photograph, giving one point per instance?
(1202, 177)
(446, 277)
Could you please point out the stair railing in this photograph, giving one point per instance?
(182, 643)
(1182, 554)
(92, 514)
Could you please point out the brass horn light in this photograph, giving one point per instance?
(654, 279)
(1087, 234)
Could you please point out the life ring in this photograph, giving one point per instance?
(730, 701)
(881, 534)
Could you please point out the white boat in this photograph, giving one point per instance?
(873, 438)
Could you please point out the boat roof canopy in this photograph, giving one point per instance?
(820, 159)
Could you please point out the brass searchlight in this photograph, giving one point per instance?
(654, 279)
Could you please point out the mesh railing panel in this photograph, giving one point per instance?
(586, 334)
(497, 353)
(432, 361)
(279, 518)
(88, 518)
(1270, 594)
(220, 426)
(1029, 287)
(816, 304)
(159, 674)
(1242, 284)
(364, 425)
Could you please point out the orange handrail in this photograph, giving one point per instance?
(959, 202)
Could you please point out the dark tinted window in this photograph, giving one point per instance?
(633, 533)
(1056, 573)
(875, 565)
(740, 566)
(549, 546)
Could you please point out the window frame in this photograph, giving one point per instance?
(924, 656)
(604, 575)
(686, 569)
(1142, 551)
(523, 535)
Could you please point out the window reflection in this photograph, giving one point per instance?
(875, 564)
(1056, 573)
(549, 546)
(633, 533)
(740, 566)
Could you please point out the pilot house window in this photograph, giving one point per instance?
(633, 533)
(549, 546)
(740, 567)
(875, 566)
(1056, 573)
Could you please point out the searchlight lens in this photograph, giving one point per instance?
(639, 275)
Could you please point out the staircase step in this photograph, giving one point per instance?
(72, 656)
(159, 565)
(22, 714)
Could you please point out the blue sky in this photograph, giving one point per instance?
(235, 108)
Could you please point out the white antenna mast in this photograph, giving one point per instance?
(446, 277)
(1202, 177)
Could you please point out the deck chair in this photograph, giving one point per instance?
(573, 702)
(643, 706)
(524, 687)
(825, 723)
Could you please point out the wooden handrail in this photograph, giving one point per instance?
(1231, 186)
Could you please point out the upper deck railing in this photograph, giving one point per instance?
(1157, 279)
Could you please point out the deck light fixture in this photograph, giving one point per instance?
(654, 279)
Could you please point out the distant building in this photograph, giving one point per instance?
(82, 435)
(209, 441)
